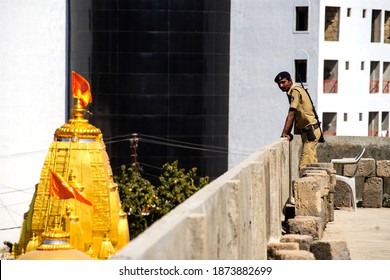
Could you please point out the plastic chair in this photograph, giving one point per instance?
(350, 180)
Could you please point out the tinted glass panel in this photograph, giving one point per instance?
(159, 68)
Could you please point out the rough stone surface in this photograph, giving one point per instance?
(365, 168)
(330, 250)
(329, 168)
(304, 241)
(322, 165)
(308, 194)
(306, 225)
(386, 201)
(372, 193)
(339, 168)
(386, 185)
(294, 255)
(359, 185)
(327, 212)
(331, 207)
(321, 175)
(383, 168)
(342, 195)
(366, 232)
(276, 246)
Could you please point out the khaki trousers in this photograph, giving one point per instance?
(309, 149)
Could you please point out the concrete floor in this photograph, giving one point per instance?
(366, 231)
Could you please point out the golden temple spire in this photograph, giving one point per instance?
(90, 252)
(33, 243)
(77, 162)
(55, 246)
(106, 249)
(55, 238)
(78, 129)
(123, 225)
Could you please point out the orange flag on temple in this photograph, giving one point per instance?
(81, 89)
(61, 189)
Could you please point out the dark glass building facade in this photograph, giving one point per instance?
(159, 68)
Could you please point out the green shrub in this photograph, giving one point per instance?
(137, 195)
(146, 203)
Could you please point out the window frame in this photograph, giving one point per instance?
(297, 63)
(296, 18)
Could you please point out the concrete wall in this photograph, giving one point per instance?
(239, 213)
(234, 217)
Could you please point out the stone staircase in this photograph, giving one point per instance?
(306, 220)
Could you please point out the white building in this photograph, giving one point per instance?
(32, 90)
(353, 62)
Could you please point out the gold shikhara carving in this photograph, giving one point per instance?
(79, 155)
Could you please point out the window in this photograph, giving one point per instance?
(374, 77)
(301, 70)
(386, 37)
(330, 76)
(329, 123)
(360, 117)
(385, 124)
(332, 19)
(373, 123)
(347, 65)
(362, 65)
(345, 117)
(376, 26)
(364, 13)
(348, 12)
(301, 18)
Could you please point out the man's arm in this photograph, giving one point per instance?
(288, 124)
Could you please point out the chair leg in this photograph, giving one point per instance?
(353, 189)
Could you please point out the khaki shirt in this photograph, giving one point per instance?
(299, 100)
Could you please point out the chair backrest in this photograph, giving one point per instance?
(359, 155)
(357, 159)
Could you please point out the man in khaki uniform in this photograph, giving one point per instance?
(301, 109)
